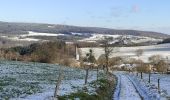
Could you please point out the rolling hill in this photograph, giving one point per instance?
(23, 28)
(18, 34)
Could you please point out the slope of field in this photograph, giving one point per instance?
(36, 81)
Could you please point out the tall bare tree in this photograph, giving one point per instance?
(107, 53)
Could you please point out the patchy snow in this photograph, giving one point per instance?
(146, 39)
(66, 87)
(31, 33)
(36, 81)
(73, 33)
(96, 37)
(18, 38)
(50, 26)
(25, 37)
(120, 38)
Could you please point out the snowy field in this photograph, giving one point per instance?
(31, 33)
(36, 81)
(129, 52)
(96, 37)
(25, 37)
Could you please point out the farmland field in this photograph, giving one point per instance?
(36, 80)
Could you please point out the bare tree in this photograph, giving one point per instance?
(107, 53)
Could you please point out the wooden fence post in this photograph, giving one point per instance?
(158, 85)
(86, 77)
(149, 77)
(58, 85)
(97, 72)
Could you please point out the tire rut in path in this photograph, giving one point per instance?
(126, 89)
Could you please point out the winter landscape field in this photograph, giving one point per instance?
(37, 81)
(84, 50)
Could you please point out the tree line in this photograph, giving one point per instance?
(46, 52)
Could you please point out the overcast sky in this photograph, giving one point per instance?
(118, 14)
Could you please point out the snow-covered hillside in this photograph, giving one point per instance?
(19, 38)
(27, 37)
(96, 37)
(84, 37)
(31, 33)
(125, 39)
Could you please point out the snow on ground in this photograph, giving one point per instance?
(96, 37)
(129, 52)
(25, 37)
(164, 82)
(18, 38)
(36, 81)
(50, 26)
(145, 39)
(134, 39)
(31, 33)
(129, 87)
(73, 33)
(128, 91)
(66, 87)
